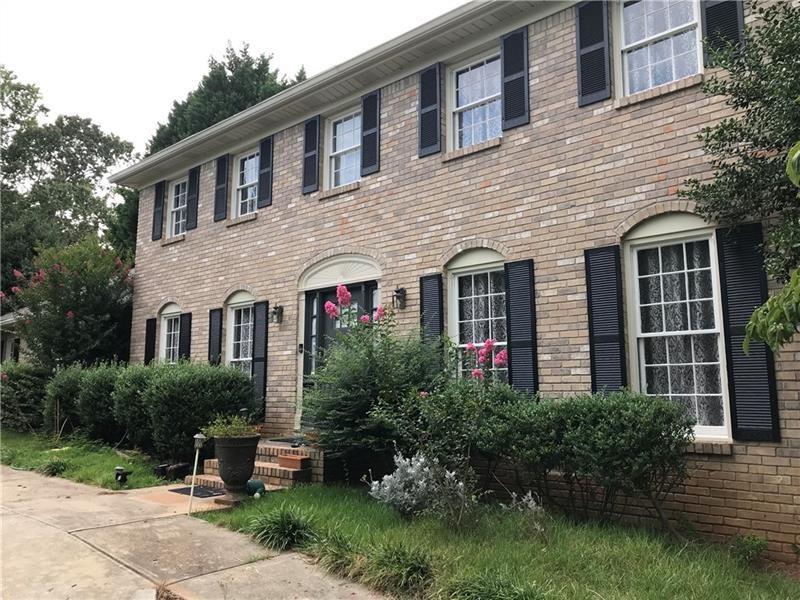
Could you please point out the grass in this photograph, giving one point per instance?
(76, 459)
(502, 553)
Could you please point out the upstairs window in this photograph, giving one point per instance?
(246, 190)
(177, 213)
(476, 114)
(344, 141)
(660, 42)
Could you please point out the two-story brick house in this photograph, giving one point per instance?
(507, 170)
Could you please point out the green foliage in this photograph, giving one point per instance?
(283, 529)
(232, 84)
(95, 403)
(398, 567)
(22, 393)
(229, 426)
(183, 398)
(793, 164)
(778, 319)
(336, 553)
(761, 81)
(61, 399)
(54, 467)
(366, 367)
(488, 585)
(77, 305)
(747, 549)
(130, 408)
(123, 224)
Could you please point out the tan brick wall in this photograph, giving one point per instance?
(566, 182)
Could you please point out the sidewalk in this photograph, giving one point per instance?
(65, 540)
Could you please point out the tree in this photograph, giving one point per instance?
(760, 80)
(76, 305)
(51, 176)
(232, 84)
(124, 223)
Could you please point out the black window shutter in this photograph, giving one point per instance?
(430, 119)
(594, 72)
(311, 155)
(149, 341)
(431, 309)
(215, 336)
(751, 377)
(606, 319)
(514, 64)
(158, 209)
(192, 196)
(260, 339)
(521, 326)
(185, 336)
(265, 172)
(371, 133)
(723, 22)
(221, 189)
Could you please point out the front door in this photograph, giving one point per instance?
(320, 329)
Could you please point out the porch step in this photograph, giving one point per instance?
(215, 482)
(271, 473)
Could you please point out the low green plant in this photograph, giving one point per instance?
(283, 528)
(22, 395)
(747, 549)
(397, 567)
(490, 585)
(61, 399)
(336, 553)
(95, 402)
(229, 426)
(54, 467)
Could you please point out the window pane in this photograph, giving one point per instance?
(674, 287)
(498, 305)
(481, 282)
(657, 21)
(481, 331)
(499, 330)
(672, 258)
(679, 348)
(482, 307)
(706, 348)
(648, 261)
(465, 333)
(465, 312)
(465, 286)
(697, 254)
(680, 13)
(687, 403)
(655, 351)
(707, 378)
(710, 411)
(700, 285)
(651, 319)
(702, 314)
(681, 379)
(656, 380)
(675, 318)
(650, 290)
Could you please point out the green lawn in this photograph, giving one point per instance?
(568, 560)
(83, 461)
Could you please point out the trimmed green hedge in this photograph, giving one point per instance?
(95, 406)
(22, 395)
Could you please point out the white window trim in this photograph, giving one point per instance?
(327, 169)
(162, 351)
(229, 333)
(702, 433)
(621, 73)
(174, 211)
(450, 95)
(236, 187)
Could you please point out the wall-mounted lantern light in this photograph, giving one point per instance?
(276, 315)
(399, 298)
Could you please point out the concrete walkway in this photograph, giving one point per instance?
(65, 540)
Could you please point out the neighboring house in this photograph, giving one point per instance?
(507, 170)
(10, 342)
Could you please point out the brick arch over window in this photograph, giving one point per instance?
(236, 288)
(351, 263)
(158, 307)
(472, 244)
(656, 208)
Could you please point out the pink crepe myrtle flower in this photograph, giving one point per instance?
(470, 347)
(331, 309)
(482, 357)
(501, 358)
(424, 394)
(364, 319)
(2, 295)
(18, 274)
(16, 289)
(343, 295)
(488, 344)
(477, 373)
(380, 312)
(56, 267)
(4, 377)
(70, 314)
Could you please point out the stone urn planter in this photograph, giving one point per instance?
(236, 443)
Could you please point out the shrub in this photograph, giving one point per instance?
(490, 585)
(283, 528)
(54, 467)
(22, 394)
(183, 398)
(396, 567)
(61, 398)
(747, 549)
(337, 554)
(229, 426)
(95, 404)
(130, 408)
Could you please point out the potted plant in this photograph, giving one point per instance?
(236, 442)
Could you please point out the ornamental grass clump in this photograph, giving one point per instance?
(490, 585)
(337, 554)
(396, 567)
(283, 528)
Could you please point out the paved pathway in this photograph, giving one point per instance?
(65, 540)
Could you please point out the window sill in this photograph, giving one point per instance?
(173, 240)
(243, 219)
(338, 191)
(717, 448)
(461, 152)
(661, 90)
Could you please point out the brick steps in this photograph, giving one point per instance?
(214, 482)
(271, 473)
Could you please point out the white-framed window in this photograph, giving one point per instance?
(344, 149)
(246, 178)
(177, 207)
(240, 345)
(170, 333)
(660, 42)
(676, 320)
(475, 109)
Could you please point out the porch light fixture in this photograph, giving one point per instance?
(276, 315)
(399, 298)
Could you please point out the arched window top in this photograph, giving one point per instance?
(474, 258)
(170, 309)
(240, 297)
(344, 268)
(666, 224)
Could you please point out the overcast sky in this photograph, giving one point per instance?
(122, 64)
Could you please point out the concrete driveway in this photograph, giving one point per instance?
(65, 540)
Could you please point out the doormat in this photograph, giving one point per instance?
(199, 491)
